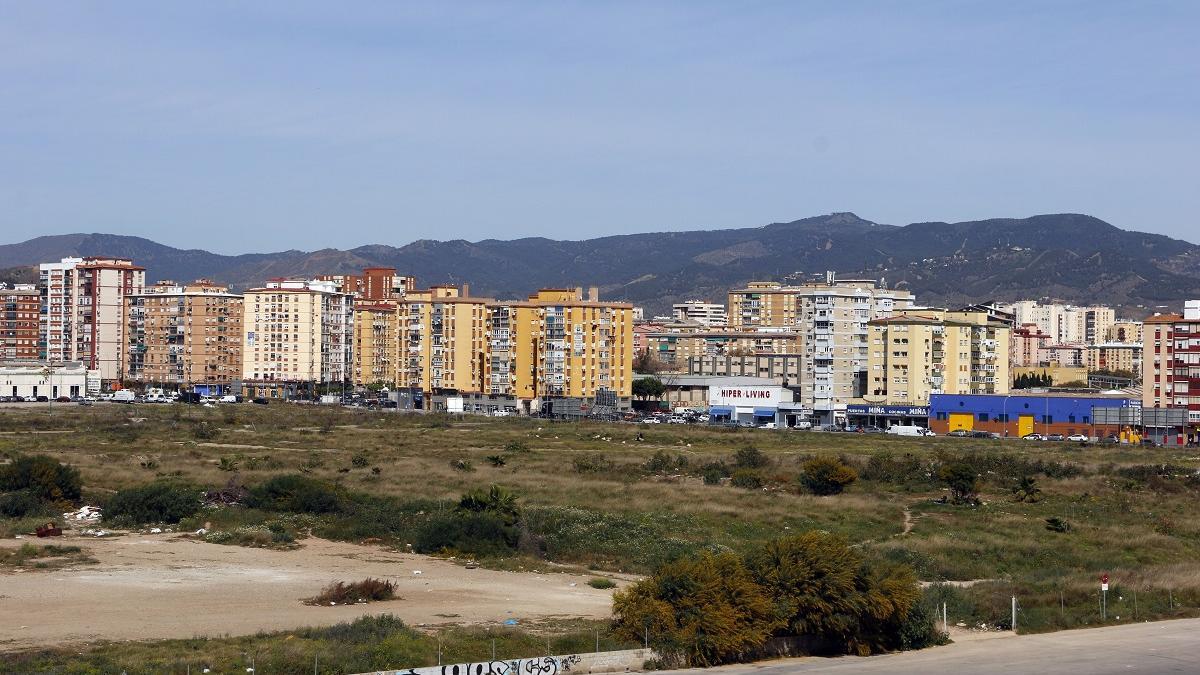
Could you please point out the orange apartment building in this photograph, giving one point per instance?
(19, 322)
(184, 336)
(83, 311)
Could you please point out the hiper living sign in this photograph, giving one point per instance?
(747, 396)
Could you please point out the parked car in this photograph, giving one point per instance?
(1033, 437)
(803, 425)
(1078, 438)
(260, 401)
(984, 434)
(1056, 437)
(958, 433)
(650, 420)
(767, 425)
(872, 429)
(852, 429)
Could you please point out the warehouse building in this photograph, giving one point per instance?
(1096, 415)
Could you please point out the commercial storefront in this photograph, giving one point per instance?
(884, 416)
(755, 404)
(1016, 415)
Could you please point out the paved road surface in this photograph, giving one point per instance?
(1158, 647)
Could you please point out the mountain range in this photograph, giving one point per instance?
(1066, 257)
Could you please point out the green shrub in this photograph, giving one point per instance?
(601, 583)
(664, 462)
(516, 446)
(701, 611)
(495, 500)
(464, 465)
(159, 502)
(1056, 524)
(826, 475)
(21, 504)
(359, 461)
(295, 494)
(497, 460)
(750, 457)
(962, 481)
(203, 431)
(45, 477)
(479, 534)
(593, 462)
(748, 479)
(713, 472)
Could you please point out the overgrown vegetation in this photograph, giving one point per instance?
(718, 608)
(355, 592)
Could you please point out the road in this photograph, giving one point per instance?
(1158, 647)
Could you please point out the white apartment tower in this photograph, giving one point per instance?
(295, 332)
(709, 314)
(82, 313)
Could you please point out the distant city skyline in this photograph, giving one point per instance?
(265, 127)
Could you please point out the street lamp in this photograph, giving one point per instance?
(48, 373)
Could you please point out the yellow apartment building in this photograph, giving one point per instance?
(376, 342)
(184, 336)
(921, 352)
(443, 340)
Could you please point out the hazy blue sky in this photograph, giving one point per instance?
(239, 126)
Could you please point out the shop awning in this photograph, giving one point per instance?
(720, 411)
(764, 412)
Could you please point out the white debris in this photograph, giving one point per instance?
(202, 531)
(415, 572)
(156, 530)
(85, 514)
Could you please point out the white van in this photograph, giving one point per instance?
(909, 430)
(124, 396)
(229, 398)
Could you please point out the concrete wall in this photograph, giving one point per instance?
(629, 660)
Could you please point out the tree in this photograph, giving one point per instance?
(701, 611)
(648, 387)
(961, 480)
(827, 475)
(646, 362)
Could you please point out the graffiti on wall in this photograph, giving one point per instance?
(545, 665)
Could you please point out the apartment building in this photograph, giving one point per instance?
(675, 349)
(296, 335)
(1171, 363)
(1125, 330)
(375, 283)
(1065, 324)
(708, 314)
(1026, 344)
(375, 349)
(921, 352)
(19, 322)
(560, 343)
(830, 317)
(784, 369)
(1114, 356)
(185, 336)
(83, 311)
(1069, 355)
(443, 340)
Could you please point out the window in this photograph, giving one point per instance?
(1047, 419)
(983, 417)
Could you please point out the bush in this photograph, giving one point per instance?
(827, 475)
(160, 502)
(1056, 524)
(601, 583)
(464, 465)
(750, 457)
(961, 480)
(664, 462)
(203, 431)
(21, 504)
(45, 477)
(295, 494)
(713, 472)
(700, 611)
(342, 593)
(593, 462)
(472, 533)
(516, 446)
(748, 479)
(495, 500)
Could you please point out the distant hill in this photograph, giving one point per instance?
(1068, 257)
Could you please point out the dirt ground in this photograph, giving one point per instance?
(164, 586)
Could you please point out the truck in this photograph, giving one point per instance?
(124, 396)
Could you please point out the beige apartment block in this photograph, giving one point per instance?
(921, 352)
(19, 322)
(83, 315)
(376, 344)
(1112, 356)
(297, 334)
(1125, 331)
(675, 349)
(182, 335)
(830, 317)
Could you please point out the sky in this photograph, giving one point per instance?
(265, 126)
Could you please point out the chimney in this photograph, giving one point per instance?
(466, 290)
(593, 294)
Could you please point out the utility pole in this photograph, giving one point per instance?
(1014, 614)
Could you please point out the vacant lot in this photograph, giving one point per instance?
(594, 495)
